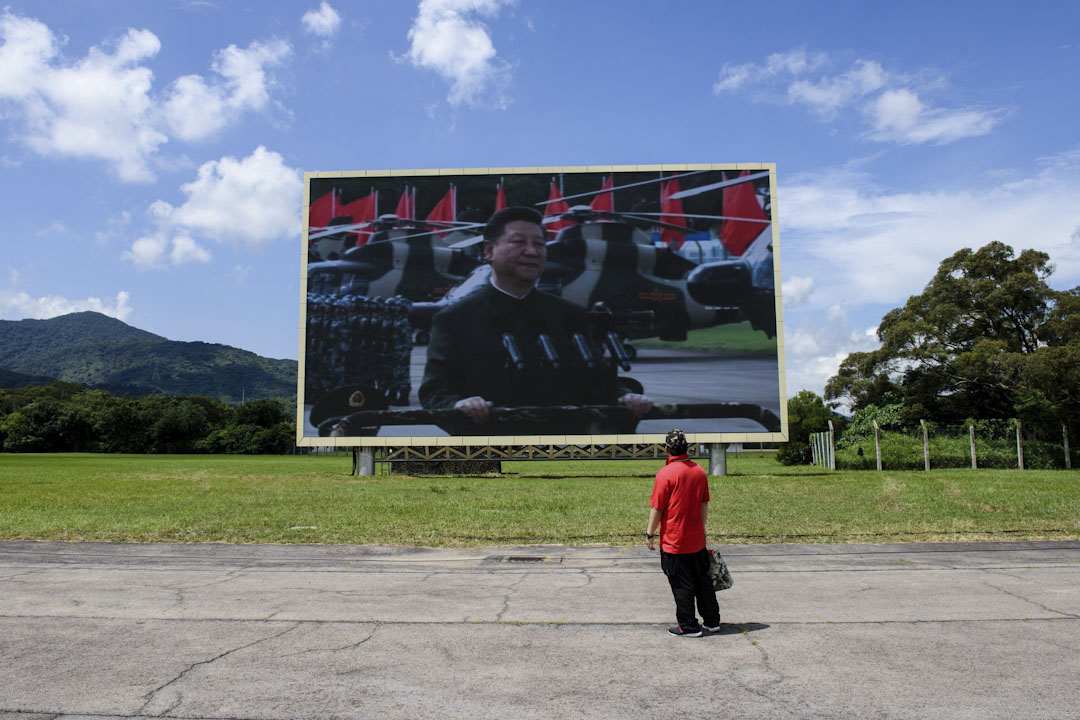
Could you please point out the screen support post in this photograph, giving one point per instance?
(363, 461)
(718, 459)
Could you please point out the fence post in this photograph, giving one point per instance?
(1019, 445)
(832, 447)
(925, 445)
(877, 444)
(1065, 435)
(974, 465)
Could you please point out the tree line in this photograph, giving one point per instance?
(66, 417)
(987, 340)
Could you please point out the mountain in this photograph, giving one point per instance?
(11, 379)
(98, 351)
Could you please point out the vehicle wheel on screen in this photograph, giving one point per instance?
(422, 337)
(631, 351)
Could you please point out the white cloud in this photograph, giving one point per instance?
(241, 272)
(248, 202)
(255, 200)
(114, 227)
(796, 290)
(186, 250)
(828, 95)
(20, 305)
(148, 251)
(446, 39)
(900, 116)
(323, 22)
(889, 101)
(853, 239)
(56, 228)
(812, 373)
(98, 107)
(162, 248)
(196, 109)
(883, 246)
(101, 106)
(796, 62)
(815, 347)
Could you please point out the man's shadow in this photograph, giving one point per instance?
(737, 628)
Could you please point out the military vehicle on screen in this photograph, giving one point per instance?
(606, 262)
(403, 257)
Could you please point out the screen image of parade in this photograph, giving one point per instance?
(519, 306)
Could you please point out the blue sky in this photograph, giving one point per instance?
(151, 154)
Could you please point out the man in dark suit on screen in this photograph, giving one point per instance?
(509, 344)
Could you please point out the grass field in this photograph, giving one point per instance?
(735, 337)
(308, 499)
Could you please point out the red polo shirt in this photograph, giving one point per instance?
(680, 488)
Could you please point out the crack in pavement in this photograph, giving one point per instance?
(510, 590)
(350, 646)
(767, 690)
(466, 621)
(179, 590)
(55, 715)
(152, 695)
(588, 581)
(1032, 602)
(24, 573)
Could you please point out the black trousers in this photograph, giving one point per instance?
(688, 575)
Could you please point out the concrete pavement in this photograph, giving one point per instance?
(977, 630)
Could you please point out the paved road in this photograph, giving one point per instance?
(811, 631)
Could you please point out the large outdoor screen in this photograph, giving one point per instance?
(558, 305)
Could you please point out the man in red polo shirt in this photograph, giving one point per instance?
(679, 506)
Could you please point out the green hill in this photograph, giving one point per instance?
(11, 379)
(101, 352)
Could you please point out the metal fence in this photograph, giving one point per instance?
(978, 444)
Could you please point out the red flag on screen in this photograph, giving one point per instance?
(500, 199)
(362, 210)
(741, 201)
(446, 210)
(320, 211)
(671, 212)
(405, 209)
(605, 201)
(555, 207)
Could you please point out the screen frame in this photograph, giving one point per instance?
(303, 440)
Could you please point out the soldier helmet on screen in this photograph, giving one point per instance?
(675, 442)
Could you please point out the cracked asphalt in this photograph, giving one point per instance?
(968, 630)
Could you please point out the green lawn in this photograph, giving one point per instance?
(307, 499)
(734, 337)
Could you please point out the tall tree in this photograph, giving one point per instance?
(987, 337)
(807, 414)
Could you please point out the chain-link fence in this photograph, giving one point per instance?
(999, 444)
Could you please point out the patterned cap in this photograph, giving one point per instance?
(675, 442)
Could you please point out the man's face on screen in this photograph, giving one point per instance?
(518, 255)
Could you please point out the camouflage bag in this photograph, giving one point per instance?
(718, 570)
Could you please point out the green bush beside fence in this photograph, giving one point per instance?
(950, 447)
